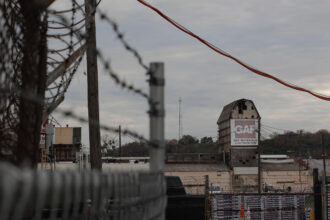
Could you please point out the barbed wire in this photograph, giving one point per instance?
(72, 42)
(71, 35)
(11, 58)
(68, 33)
(124, 84)
(125, 132)
(11, 41)
(68, 10)
(106, 63)
(120, 36)
(28, 95)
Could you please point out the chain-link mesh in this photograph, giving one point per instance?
(27, 194)
(63, 58)
(10, 72)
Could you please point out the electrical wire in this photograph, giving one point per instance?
(280, 129)
(268, 132)
(218, 50)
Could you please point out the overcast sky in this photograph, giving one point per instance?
(289, 39)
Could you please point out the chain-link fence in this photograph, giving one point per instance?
(31, 194)
(261, 206)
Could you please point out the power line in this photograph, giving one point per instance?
(280, 129)
(218, 50)
(266, 131)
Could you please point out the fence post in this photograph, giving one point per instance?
(207, 197)
(156, 115)
(317, 194)
(324, 197)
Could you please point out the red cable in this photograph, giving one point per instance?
(320, 96)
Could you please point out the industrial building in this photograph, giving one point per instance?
(59, 143)
(238, 131)
(235, 167)
(66, 143)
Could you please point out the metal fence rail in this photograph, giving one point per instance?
(264, 206)
(31, 194)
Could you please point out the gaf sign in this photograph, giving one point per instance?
(244, 132)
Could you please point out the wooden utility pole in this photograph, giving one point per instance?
(93, 93)
(34, 71)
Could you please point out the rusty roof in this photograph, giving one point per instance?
(227, 109)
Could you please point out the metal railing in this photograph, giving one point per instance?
(30, 194)
(261, 206)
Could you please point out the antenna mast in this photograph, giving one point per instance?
(180, 119)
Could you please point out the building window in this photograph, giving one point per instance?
(241, 106)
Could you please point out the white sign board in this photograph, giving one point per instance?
(244, 132)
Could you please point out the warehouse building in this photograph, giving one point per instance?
(66, 143)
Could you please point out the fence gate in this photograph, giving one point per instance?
(261, 206)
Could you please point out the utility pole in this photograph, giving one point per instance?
(92, 81)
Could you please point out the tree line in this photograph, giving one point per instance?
(297, 144)
(187, 144)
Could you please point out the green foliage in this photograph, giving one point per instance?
(190, 144)
(298, 143)
(188, 140)
(133, 149)
(206, 140)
